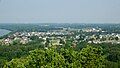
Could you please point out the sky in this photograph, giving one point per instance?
(59, 11)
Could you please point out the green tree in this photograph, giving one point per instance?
(91, 57)
(88, 57)
(62, 41)
(70, 57)
(34, 38)
(16, 63)
(116, 38)
(47, 42)
(37, 59)
(15, 42)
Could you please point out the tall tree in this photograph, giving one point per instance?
(91, 57)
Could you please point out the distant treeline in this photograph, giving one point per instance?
(56, 26)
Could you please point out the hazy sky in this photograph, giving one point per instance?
(60, 11)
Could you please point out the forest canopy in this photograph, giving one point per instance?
(88, 57)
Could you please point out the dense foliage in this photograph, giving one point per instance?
(17, 50)
(88, 57)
